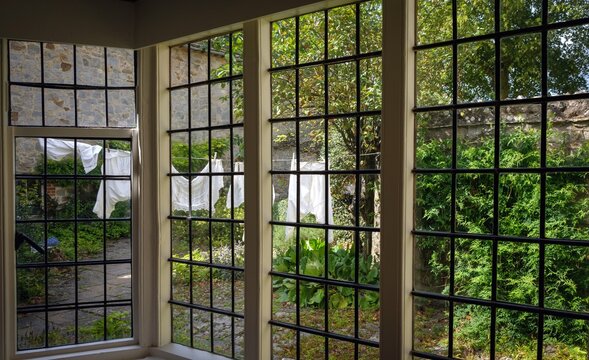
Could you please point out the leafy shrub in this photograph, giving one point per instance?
(312, 263)
(567, 216)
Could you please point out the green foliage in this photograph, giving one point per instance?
(118, 326)
(312, 263)
(181, 271)
(199, 153)
(567, 216)
(520, 71)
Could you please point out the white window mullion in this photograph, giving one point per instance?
(258, 190)
(397, 183)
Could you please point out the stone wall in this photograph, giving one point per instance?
(181, 73)
(198, 95)
(90, 66)
(564, 117)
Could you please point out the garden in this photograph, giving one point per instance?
(72, 235)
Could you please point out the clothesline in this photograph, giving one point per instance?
(196, 158)
(118, 162)
(364, 154)
(195, 194)
(202, 158)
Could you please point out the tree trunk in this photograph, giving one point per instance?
(367, 205)
(504, 79)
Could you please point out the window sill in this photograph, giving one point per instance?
(98, 352)
(179, 352)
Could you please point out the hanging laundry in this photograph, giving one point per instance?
(312, 195)
(117, 162)
(58, 149)
(238, 187)
(199, 188)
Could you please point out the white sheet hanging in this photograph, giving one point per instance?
(199, 188)
(58, 149)
(312, 196)
(117, 162)
(238, 187)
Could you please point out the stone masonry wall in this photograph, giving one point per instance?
(199, 94)
(90, 66)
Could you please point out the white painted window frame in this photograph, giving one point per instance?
(8, 262)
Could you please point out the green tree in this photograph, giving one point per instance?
(339, 80)
(520, 62)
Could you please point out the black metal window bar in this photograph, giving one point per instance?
(326, 101)
(61, 85)
(73, 269)
(499, 246)
(207, 226)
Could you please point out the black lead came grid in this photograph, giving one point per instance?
(73, 267)
(501, 250)
(326, 101)
(72, 196)
(61, 85)
(207, 227)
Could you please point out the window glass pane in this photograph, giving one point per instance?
(120, 67)
(565, 338)
(475, 17)
(476, 67)
(207, 196)
(433, 140)
(179, 65)
(568, 66)
(63, 85)
(433, 69)
(59, 107)
(431, 271)
(472, 327)
(370, 26)
(58, 63)
(121, 108)
(283, 94)
(283, 42)
(26, 106)
(564, 10)
(520, 14)
(341, 37)
(566, 145)
(312, 37)
(434, 21)
(430, 326)
(25, 61)
(73, 239)
(521, 64)
(516, 332)
(219, 55)
(520, 136)
(326, 185)
(500, 178)
(475, 138)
